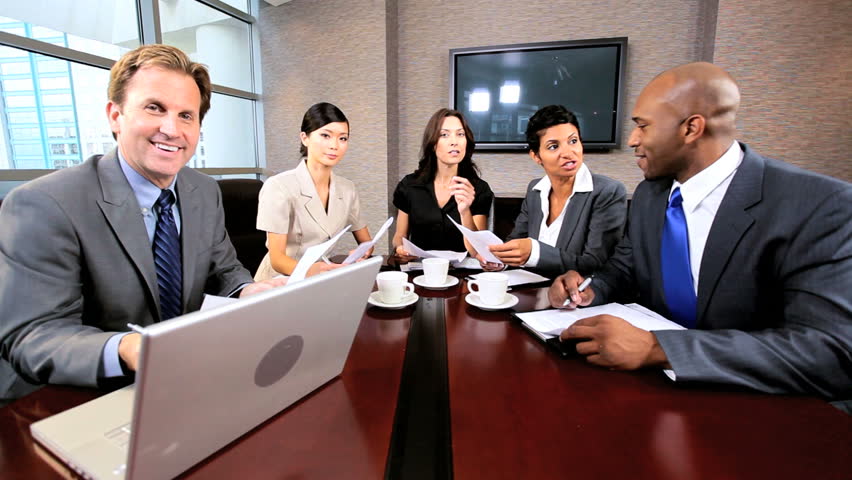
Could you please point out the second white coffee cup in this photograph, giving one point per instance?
(435, 270)
(490, 286)
(393, 286)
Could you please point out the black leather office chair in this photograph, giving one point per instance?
(239, 199)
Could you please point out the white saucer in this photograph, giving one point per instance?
(420, 281)
(375, 300)
(473, 299)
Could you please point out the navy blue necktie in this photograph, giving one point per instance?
(167, 257)
(677, 272)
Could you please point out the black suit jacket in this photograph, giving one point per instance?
(774, 288)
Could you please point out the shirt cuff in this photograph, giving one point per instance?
(112, 362)
(535, 253)
(670, 373)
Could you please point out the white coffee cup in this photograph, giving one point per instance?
(435, 270)
(393, 286)
(491, 287)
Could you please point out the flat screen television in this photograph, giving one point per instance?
(498, 89)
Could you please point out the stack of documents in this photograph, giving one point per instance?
(550, 323)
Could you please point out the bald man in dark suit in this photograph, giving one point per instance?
(764, 285)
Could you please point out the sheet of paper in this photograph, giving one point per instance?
(416, 251)
(313, 255)
(480, 241)
(213, 301)
(520, 277)
(411, 267)
(552, 322)
(468, 263)
(362, 248)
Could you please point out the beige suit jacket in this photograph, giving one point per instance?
(290, 205)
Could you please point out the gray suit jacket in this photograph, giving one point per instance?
(592, 226)
(774, 288)
(76, 266)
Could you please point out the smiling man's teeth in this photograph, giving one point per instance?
(167, 148)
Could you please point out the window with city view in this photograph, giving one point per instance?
(54, 72)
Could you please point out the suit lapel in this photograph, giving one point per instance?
(311, 201)
(655, 219)
(729, 225)
(337, 207)
(572, 217)
(534, 214)
(190, 230)
(122, 213)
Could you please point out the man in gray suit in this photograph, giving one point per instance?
(765, 275)
(132, 236)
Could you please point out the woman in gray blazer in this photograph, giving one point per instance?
(571, 219)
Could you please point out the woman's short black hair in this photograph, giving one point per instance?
(545, 118)
(318, 116)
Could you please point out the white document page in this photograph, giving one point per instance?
(411, 267)
(469, 263)
(312, 255)
(480, 241)
(362, 248)
(520, 277)
(416, 251)
(213, 301)
(552, 322)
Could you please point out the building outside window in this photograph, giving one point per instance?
(54, 73)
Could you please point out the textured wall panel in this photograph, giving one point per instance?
(793, 61)
(661, 34)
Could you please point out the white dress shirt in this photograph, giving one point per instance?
(549, 234)
(702, 194)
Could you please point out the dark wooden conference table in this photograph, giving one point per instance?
(491, 401)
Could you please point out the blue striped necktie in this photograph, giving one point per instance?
(677, 272)
(167, 257)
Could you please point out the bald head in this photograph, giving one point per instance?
(701, 89)
(685, 120)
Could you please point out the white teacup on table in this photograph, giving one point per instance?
(393, 286)
(435, 270)
(490, 287)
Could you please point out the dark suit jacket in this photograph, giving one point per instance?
(76, 266)
(774, 288)
(592, 226)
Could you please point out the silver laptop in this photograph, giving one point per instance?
(208, 377)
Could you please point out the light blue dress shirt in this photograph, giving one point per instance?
(146, 195)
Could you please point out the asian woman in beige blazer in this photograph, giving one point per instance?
(308, 205)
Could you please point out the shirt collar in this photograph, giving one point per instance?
(582, 182)
(146, 192)
(696, 189)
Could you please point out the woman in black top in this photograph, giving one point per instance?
(445, 183)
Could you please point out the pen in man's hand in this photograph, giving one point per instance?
(585, 283)
(136, 328)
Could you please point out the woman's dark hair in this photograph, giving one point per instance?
(545, 118)
(318, 116)
(428, 166)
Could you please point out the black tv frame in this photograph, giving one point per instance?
(620, 42)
